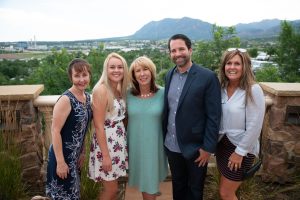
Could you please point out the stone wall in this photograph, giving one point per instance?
(20, 120)
(281, 138)
(32, 148)
(26, 129)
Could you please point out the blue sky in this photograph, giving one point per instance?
(65, 20)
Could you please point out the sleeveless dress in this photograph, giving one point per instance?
(116, 143)
(73, 134)
(147, 158)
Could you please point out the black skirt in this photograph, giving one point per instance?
(224, 150)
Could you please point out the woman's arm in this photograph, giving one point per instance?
(255, 111)
(61, 111)
(99, 106)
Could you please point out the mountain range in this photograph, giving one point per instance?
(200, 30)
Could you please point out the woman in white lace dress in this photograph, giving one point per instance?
(108, 153)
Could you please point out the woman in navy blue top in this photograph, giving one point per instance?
(71, 116)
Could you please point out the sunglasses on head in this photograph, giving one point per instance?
(237, 49)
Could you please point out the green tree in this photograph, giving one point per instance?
(96, 58)
(268, 73)
(208, 53)
(288, 53)
(253, 52)
(16, 71)
(3, 79)
(52, 72)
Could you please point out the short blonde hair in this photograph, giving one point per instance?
(142, 61)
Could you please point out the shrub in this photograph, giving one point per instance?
(11, 186)
(89, 188)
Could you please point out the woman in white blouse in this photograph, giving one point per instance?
(243, 108)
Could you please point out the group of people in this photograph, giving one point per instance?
(140, 127)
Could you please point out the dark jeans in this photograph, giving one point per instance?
(187, 178)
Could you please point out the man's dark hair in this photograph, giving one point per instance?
(183, 37)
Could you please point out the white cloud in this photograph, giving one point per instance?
(91, 19)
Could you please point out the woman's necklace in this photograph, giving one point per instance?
(146, 95)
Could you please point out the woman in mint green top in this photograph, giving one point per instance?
(147, 159)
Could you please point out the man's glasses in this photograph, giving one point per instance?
(237, 49)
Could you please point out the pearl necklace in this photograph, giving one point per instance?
(146, 95)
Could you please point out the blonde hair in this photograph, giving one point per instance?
(247, 78)
(142, 61)
(122, 87)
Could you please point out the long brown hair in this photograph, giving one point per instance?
(247, 78)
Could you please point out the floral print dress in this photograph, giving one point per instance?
(72, 134)
(116, 143)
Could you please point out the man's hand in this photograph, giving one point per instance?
(203, 157)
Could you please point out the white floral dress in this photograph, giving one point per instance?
(116, 143)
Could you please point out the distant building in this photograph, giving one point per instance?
(262, 56)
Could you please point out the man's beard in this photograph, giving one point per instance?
(183, 61)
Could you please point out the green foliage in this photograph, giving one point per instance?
(249, 190)
(253, 52)
(253, 188)
(212, 182)
(160, 79)
(268, 73)
(11, 186)
(271, 50)
(3, 79)
(52, 69)
(89, 188)
(208, 53)
(14, 71)
(288, 53)
(52, 72)
(96, 58)
(204, 55)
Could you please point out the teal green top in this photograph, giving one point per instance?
(147, 159)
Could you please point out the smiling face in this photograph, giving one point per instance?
(142, 75)
(80, 79)
(180, 54)
(115, 70)
(234, 68)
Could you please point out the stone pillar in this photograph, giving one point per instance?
(18, 112)
(45, 106)
(47, 116)
(281, 136)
